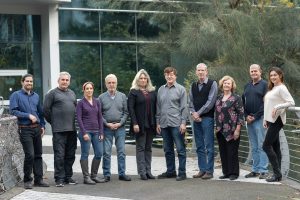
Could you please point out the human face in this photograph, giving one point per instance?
(111, 85)
(275, 78)
(88, 90)
(170, 78)
(143, 81)
(63, 82)
(201, 72)
(255, 73)
(227, 85)
(27, 84)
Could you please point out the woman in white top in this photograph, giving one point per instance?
(276, 100)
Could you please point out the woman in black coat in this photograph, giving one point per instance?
(142, 110)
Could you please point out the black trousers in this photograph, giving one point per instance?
(32, 146)
(229, 155)
(64, 147)
(271, 145)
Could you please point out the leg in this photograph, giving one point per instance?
(199, 140)
(208, 130)
(168, 145)
(263, 159)
(38, 151)
(233, 157)
(252, 134)
(223, 153)
(181, 151)
(98, 151)
(71, 146)
(120, 145)
(140, 139)
(148, 150)
(107, 145)
(59, 140)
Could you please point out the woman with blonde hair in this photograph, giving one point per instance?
(142, 111)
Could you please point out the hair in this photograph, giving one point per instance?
(201, 65)
(256, 65)
(279, 72)
(225, 78)
(86, 83)
(169, 70)
(25, 76)
(110, 76)
(149, 86)
(64, 74)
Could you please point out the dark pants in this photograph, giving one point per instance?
(272, 145)
(64, 147)
(229, 155)
(32, 145)
(144, 151)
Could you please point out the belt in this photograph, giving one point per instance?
(29, 126)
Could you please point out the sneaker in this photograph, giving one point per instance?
(41, 183)
(27, 185)
(181, 177)
(124, 178)
(252, 174)
(166, 175)
(263, 175)
(70, 181)
(59, 184)
(207, 176)
(199, 175)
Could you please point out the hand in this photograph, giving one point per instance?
(195, 116)
(236, 134)
(158, 129)
(274, 112)
(32, 118)
(117, 125)
(110, 126)
(265, 124)
(42, 132)
(182, 128)
(86, 137)
(250, 119)
(101, 137)
(136, 128)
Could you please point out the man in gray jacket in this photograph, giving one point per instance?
(114, 112)
(59, 110)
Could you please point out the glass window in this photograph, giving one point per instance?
(80, 25)
(9, 84)
(13, 55)
(82, 61)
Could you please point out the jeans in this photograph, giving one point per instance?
(31, 141)
(170, 136)
(64, 147)
(85, 146)
(119, 135)
(257, 134)
(204, 138)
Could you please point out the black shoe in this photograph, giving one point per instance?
(59, 184)
(124, 178)
(106, 178)
(167, 175)
(150, 176)
(274, 178)
(252, 174)
(181, 177)
(144, 177)
(27, 185)
(70, 181)
(233, 177)
(224, 177)
(41, 183)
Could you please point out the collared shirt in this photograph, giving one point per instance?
(212, 96)
(22, 104)
(171, 106)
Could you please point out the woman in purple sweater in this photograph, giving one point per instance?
(89, 118)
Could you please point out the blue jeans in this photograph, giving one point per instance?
(170, 136)
(119, 135)
(257, 134)
(204, 138)
(85, 146)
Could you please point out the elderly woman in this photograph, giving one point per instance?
(276, 100)
(142, 110)
(89, 118)
(229, 119)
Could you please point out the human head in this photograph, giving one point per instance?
(64, 79)
(201, 71)
(111, 83)
(138, 82)
(226, 78)
(255, 72)
(170, 75)
(275, 76)
(27, 82)
(88, 89)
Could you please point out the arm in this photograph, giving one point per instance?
(212, 96)
(79, 109)
(14, 107)
(100, 118)
(158, 110)
(191, 100)
(131, 107)
(183, 106)
(287, 98)
(260, 112)
(240, 117)
(41, 114)
(101, 103)
(125, 110)
(47, 106)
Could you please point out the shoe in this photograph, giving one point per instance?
(27, 185)
(199, 175)
(87, 180)
(59, 184)
(181, 177)
(70, 181)
(274, 178)
(98, 180)
(224, 177)
(150, 176)
(167, 175)
(124, 178)
(41, 183)
(252, 174)
(144, 177)
(106, 178)
(207, 176)
(233, 177)
(263, 175)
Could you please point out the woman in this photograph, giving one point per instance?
(89, 118)
(276, 100)
(229, 119)
(142, 110)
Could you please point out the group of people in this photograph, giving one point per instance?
(102, 121)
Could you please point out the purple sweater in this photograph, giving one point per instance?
(89, 117)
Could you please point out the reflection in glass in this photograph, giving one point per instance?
(9, 84)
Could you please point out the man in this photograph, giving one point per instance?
(25, 105)
(171, 123)
(114, 112)
(253, 99)
(59, 109)
(203, 94)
